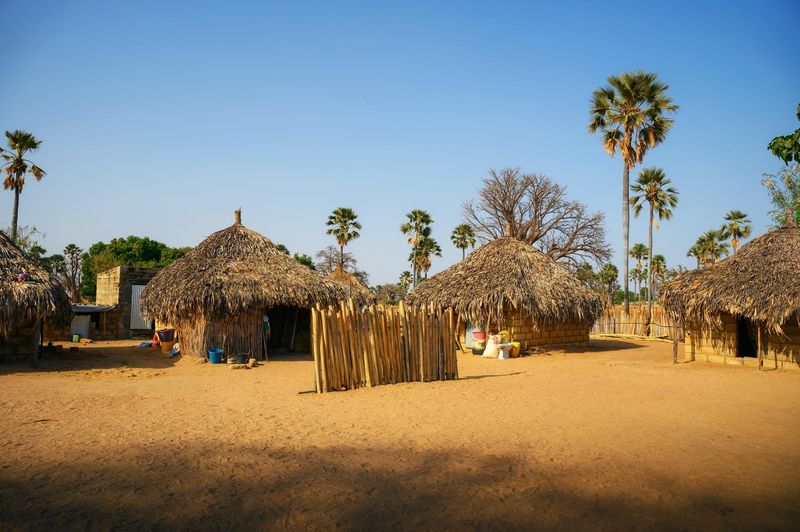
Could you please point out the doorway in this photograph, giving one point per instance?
(747, 338)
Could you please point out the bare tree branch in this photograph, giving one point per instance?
(536, 210)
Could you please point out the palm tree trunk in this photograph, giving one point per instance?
(341, 257)
(15, 216)
(463, 253)
(625, 228)
(650, 268)
(414, 260)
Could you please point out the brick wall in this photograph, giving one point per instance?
(525, 331)
(710, 344)
(114, 287)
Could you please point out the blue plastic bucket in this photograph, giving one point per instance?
(215, 355)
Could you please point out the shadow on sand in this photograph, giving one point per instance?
(223, 486)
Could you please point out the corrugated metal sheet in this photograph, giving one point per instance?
(137, 320)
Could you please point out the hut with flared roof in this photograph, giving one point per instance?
(29, 299)
(744, 309)
(507, 284)
(217, 294)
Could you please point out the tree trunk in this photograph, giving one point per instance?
(414, 261)
(15, 216)
(674, 347)
(463, 253)
(650, 272)
(625, 228)
(341, 257)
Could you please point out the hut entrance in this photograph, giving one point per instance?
(290, 330)
(747, 338)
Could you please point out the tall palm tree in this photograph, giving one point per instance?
(16, 166)
(608, 276)
(639, 252)
(463, 237)
(425, 248)
(405, 281)
(344, 226)
(659, 269)
(652, 187)
(630, 112)
(417, 227)
(637, 275)
(736, 226)
(711, 247)
(695, 252)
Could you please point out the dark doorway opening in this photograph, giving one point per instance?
(747, 336)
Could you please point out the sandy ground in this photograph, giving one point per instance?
(611, 438)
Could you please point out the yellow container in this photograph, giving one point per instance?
(515, 348)
(166, 347)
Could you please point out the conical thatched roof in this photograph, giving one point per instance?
(760, 282)
(234, 270)
(504, 274)
(352, 287)
(24, 302)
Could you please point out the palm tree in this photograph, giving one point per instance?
(639, 252)
(652, 187)
(659, 269)
(636, 275)
(417, 227)
(608, 276)
(695, 252)
(16, 166)
(463, 237)
(344, 226)
(425, 248)
(630, 112)
(711, 246)
(736, 226)
(405, 281)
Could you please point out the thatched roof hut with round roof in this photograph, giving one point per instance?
(28, 297)
(511, 285)
(217, 294)
(728, 306)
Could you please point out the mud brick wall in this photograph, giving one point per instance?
(114, 287)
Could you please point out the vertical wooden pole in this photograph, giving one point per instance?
(759, 347)
(675, 349)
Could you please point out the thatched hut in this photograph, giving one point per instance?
(359, 293)
(510, 285)
(28, 299)
(217, 294)
(743, 308)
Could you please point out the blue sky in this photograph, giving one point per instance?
(161, 118)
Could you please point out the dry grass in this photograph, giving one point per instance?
(22, 303)
(760, 282)
(508, 274)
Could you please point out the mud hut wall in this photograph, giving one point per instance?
(525, 331)
(720, 345)
(712, 344)
(19, 342)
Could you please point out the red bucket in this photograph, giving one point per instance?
(479, 335)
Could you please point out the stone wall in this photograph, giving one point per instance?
(720, 345)
(114, 287)
(527, 333)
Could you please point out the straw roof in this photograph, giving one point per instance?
(507, 274)
(24, 302)
(760, 282)
(352, 287)
(232, 271)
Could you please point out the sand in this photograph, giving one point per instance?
(611, 438)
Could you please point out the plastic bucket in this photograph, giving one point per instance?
(515, 348)
(76, 338)
(479, 335)
(166, 347)
(166, 335)
(215, 355)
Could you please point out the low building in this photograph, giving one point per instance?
(121, 288)
(743, 310)
(509, 285)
